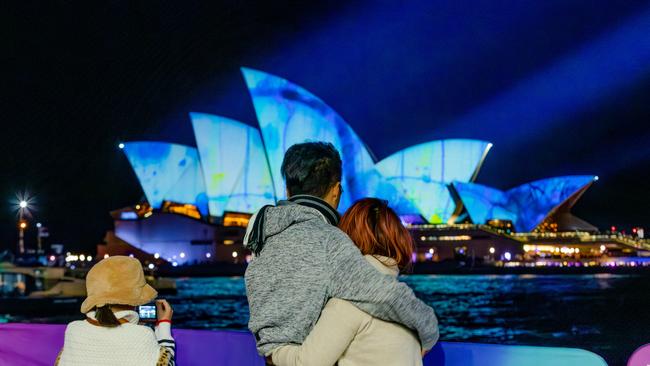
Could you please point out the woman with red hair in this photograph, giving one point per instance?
(345, 335)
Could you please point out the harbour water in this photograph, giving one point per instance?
(605, 313)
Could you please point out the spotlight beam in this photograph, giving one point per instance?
(596, 71)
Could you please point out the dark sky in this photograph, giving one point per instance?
(560, 87)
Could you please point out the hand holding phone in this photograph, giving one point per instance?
(164, 310)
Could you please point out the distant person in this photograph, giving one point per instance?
(301, 260)
(110, 334)
(346, 334)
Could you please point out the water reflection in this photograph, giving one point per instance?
(603, 313)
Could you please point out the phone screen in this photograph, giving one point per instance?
(147, 312)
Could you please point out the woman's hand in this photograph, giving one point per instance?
(164, 310)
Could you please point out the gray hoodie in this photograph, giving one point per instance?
(304, 262)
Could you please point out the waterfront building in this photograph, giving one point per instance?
(197, 200)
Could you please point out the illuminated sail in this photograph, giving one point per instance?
(168, 172)
(422, 172)
(234, 165)
(526, 206)
(288, 114)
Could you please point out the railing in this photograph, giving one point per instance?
(39, 344)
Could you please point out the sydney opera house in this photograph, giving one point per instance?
(197, 199)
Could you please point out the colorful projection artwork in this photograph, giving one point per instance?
(239, 166)
(484, 203)
(288, 114)
(235, 168)
(421, 173)
(526, 205)
(168, 172)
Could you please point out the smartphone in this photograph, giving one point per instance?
(147, 312)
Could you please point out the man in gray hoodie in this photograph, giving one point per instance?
(301, 259)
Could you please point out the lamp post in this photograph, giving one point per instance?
(39, 237)
(22, 225)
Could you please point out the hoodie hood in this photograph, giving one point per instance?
(272, 220)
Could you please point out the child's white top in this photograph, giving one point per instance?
(124, 345)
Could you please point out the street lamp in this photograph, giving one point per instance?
(40, 234)
(23, 203)
(22, 225)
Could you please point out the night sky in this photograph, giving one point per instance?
(560, 87)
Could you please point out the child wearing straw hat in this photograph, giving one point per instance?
(110, 334)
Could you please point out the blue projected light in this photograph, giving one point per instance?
(235, 169)
(168, 172)
(420, 174)
(239, 168)
(288, 114)
(484, 203)
(526, 206)
(601, 68)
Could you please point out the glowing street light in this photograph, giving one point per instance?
(121, 145)
(23, 205)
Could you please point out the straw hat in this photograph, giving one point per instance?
(117, 280)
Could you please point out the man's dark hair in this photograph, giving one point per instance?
(311, 168)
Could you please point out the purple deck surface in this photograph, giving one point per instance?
(38, 345)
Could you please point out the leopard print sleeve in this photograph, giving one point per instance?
(167, 355)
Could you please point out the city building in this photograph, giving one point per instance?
(197, 200)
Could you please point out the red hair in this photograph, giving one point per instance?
(377, 230)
